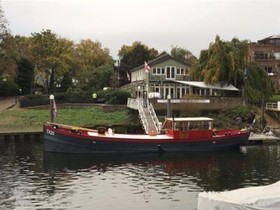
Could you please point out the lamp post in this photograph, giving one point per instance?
(51, 107)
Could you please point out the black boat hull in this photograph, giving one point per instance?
(55, 141)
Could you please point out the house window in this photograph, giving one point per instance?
(170, 72)
(154, 70)
(162, 70)
(178, 71)
(158, 70)
(277, 55)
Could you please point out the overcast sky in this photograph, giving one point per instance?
(190, 24)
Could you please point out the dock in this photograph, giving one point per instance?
(263, 138)
(21, 137)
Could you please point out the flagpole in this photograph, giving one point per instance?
(148, 84)
(147, 70)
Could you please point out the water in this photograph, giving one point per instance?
(30, 179)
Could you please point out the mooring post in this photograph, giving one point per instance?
(52, 107)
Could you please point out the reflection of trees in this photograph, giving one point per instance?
(27, 175)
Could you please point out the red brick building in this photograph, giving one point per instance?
(266, 53)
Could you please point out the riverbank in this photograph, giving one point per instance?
(16, 119)
(31, 120)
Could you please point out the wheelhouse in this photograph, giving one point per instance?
(188, 127)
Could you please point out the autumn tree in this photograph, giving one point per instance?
(7, 67)
(51, 56)
(133, 56)
(91, 56)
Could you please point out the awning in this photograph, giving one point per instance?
(229, 87)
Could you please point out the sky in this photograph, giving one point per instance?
(159, 24)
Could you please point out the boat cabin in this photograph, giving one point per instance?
(189, 127)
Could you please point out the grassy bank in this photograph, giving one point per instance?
(16, 120)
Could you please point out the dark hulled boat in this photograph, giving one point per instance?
(181, 135)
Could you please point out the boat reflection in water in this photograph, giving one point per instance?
(208, 170)
(31, 179)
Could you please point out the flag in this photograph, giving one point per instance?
(54, 109)
(128, 76)
(146, 67)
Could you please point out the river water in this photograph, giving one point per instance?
(31, 179)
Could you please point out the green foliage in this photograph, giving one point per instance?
(222, 63)
(183, 55)
(133, 56)
(51, 56)
(274, 98)
(34, 100)
(258, 85)
(234, 117)
(25, 75)
(8, 88)
(111, 96)
(94, 66)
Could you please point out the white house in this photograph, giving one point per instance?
(165, 76)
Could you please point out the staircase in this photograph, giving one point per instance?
(147, 114)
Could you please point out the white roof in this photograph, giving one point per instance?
(258, 198)
(203, 85)
(189, 119)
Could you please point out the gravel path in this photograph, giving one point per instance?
(6, 102)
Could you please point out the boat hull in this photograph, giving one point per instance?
(56, 140)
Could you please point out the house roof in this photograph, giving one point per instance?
(271, 37)
(203, 85)
(160, 58)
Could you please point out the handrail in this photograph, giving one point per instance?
(272, 106)
(142, 115)
(154, 117)
(138, 104)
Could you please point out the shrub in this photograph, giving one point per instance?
(34, 100)
(8, 88)
(111, 96)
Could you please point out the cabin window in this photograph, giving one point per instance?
(154, 70)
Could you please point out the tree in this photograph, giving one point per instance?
(258, 85)
(7, 67)
(4, 30)
(133, 56)
(223, 62)
(51, 56)
(183, 55)
(91, 56)
(25, 75)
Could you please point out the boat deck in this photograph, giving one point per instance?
(130, 136)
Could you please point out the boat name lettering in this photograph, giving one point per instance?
(50, 132)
